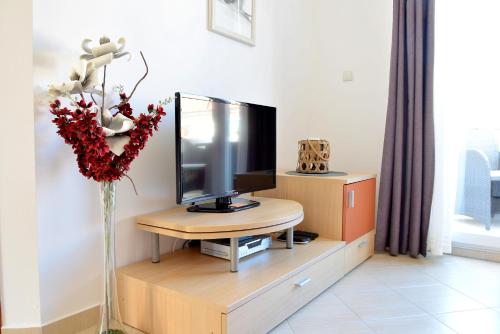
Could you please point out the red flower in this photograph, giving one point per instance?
(80, 129)
(126, 110)
(82, 104)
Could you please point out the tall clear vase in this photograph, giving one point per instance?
(110, 321)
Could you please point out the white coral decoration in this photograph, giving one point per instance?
(83, 79)
(105, 52)
(113, 125)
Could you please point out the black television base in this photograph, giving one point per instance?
(224, 205)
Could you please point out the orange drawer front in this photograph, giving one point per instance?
(359, 209)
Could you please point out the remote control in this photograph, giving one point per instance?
(310, 235)
(299, 237)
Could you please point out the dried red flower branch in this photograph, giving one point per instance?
(80, 129)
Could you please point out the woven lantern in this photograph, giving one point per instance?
(313, 156)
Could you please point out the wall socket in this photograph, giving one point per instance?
(347, 76)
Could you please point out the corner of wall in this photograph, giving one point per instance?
(18, 226)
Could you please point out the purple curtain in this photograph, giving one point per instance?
(407, 176)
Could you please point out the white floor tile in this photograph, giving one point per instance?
(327, 298)
(385, 260)
(472, 322)
(486, 291)
(359, 281)
(452, 303)
(313, 315)
(350, 327)
(358, 286)
(427, 292)
(387, 311)
(464, 271)
(283, 328)
(409, 325)
(373, 297)
(451, 274)
(405, 277)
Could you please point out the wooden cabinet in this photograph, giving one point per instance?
(336, 207)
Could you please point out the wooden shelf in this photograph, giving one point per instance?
(188, 292)
(272, 215)
(207, 279)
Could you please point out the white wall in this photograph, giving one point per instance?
(18, 229)
(294, 74)
(353, 36)
(320, 40)
(183, 55)
(302, 47)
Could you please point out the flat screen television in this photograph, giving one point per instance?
(223, 148)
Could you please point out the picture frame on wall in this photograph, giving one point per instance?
(233, 18)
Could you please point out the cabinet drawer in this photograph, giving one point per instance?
(359, 250)
(272, 307)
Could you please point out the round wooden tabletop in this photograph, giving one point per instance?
(270, 216)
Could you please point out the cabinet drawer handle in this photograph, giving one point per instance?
(303, 282)
(351, 198)
(363, 244)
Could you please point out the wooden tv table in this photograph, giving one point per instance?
(192, 293)
(271, 215)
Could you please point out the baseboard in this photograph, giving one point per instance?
(472, 251)
(34, 330)
(70, 325)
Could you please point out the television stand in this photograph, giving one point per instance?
(224, 205)
(191, 293)
(272, 215)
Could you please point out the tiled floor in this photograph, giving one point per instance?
(401, 295)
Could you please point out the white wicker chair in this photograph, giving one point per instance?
(479, 196)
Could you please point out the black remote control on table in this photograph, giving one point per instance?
(310, 235)
(300, 237)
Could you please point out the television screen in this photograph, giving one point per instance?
(223, 148)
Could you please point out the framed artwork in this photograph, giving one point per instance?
(233, 18)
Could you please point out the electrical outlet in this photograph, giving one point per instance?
(347, 76)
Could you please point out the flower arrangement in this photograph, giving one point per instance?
(105, 140)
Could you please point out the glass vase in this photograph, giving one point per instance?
(110, 321)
